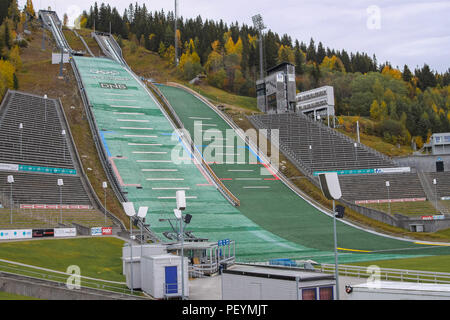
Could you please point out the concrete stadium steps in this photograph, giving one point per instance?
(443, 182)
(34, 218)
(40, 142)
(329, 150)
(31, 188)
(373, 187)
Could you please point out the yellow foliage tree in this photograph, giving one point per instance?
(286, 54)
(30, 8)
(394, 73)
(7, 71)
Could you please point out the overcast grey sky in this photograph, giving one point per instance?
(411, 32)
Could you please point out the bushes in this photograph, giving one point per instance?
(393, 132)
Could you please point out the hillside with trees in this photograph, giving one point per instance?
(401, 105)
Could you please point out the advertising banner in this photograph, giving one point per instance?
(55, 206)
(65, 232)
(96, 231)
(16, 234)
(9, 167)
(107, 231)
(393, 170)
(43, 233)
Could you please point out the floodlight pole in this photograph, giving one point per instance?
(336, 268)
(11, 203)
(182, 258)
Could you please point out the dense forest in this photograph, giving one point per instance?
(12, 23)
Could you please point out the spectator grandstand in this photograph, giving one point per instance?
(317, 147)
(41, 141)
(314, 147)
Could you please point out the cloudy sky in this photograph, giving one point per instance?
(411, 32)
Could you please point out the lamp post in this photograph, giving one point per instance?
(356, 150)
(45, 108)
(181, 206)
(129, 210)
(389, 197)
(63, 134)
(105, 185)
(436, 195)
(11, 181)
(142, 213)
(329, 183)
(60, 184)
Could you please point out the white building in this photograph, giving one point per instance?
(389, 290)
(316, 102)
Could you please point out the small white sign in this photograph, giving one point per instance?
(56, 58)
(9, 167)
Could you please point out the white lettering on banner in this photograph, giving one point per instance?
(393, 170)
(9, 167)
(65, 232)
(16, 234)
(390, 200)
(107, 231)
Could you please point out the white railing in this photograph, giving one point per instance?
(382, 274)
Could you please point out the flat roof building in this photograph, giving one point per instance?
(439, 143)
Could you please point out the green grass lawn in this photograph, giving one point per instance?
(97, 257)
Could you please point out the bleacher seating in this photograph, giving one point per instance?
(40, 142)
(26, 218)
(443, 182)
(373, 187)
(329, 149)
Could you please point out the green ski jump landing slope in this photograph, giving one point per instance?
(271, 205)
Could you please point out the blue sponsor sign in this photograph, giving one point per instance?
(224, 242)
